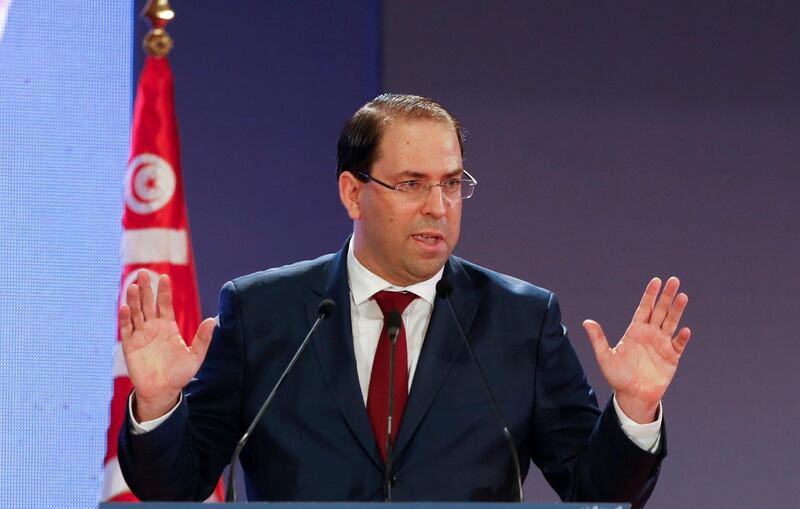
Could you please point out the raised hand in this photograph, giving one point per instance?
(158, 360)
(640, 368)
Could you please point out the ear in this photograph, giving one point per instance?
(349, 193)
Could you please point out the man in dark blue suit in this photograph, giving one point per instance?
(402, 181)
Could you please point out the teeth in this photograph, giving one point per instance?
(430, 239)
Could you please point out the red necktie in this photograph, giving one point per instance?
(378, 397)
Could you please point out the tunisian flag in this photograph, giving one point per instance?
(155, 237)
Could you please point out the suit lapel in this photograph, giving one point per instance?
(439, 351)
(333, 345)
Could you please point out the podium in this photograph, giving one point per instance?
(363, 505)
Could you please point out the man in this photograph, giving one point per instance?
(402, 182)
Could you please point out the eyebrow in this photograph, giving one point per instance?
(419, 175)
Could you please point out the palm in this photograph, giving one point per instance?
(640, 364)
(157, 357)
(643, 362)
(159, 362)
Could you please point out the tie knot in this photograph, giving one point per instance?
(388, 301)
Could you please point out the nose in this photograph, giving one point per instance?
(435, 204)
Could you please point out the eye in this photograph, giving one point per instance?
(410, 185)
(451, 184)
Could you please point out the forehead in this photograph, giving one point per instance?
(427, 147)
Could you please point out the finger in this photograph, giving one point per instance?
(146, 291)
(598, 339)
(202, 339)
(675, 312)
(665, 301)
(645, 308)
(125, 325)
(135, 305)
(164, 298)
(680, 341)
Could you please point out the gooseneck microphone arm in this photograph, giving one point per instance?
(324, 310)
(444, 288)
(393, 323)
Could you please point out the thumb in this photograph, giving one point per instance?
(597, 338)
(203, 338)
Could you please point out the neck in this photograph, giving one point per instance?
(367, 263)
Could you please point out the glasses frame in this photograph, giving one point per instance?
(472, 181)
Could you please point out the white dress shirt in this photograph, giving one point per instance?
(367, 323)
(367, 318)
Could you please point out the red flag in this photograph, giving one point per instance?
(155, 236)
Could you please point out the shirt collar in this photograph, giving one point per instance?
(364, 284)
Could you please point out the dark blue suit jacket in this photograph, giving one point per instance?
(315, 441)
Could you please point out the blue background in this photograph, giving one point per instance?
(65, 74)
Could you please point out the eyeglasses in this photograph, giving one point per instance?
(453, 188)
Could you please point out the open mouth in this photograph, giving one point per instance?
(428, 238)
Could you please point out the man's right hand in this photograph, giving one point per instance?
(158, 360)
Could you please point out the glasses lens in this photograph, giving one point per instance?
(467, 189)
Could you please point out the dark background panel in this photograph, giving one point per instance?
(262, 90)
(614, 141)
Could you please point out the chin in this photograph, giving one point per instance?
(428, 270)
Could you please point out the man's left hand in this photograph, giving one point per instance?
(640, 368)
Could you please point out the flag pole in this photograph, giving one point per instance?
(157, 42)
(155, 224)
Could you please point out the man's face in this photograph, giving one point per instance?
(404, 240)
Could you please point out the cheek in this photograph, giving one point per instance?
(454, 219)
(402, 220)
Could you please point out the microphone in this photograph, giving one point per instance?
(393, 323)
(444, 288)
(325, 309)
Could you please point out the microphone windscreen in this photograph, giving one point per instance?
(444, 288)
(394, 320)
(326, 308)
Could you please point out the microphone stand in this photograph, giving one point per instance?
(393, 323)
(325, 309)
(443, 290)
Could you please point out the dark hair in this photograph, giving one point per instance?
(358, 143)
